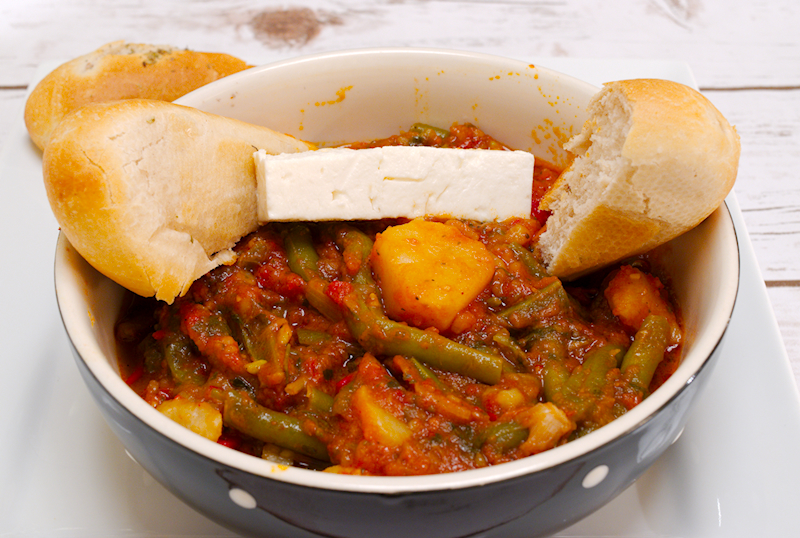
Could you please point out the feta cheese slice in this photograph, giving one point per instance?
(394, 181)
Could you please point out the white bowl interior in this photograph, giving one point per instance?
(358, 95)
(361, 95)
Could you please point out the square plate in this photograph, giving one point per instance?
(732, 473)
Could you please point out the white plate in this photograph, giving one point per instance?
(734, 471)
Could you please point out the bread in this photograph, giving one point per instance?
(121, 70)
(155, 194)
(653, 160)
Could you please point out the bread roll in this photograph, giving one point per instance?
(121, 70)
(653, 160)
(155, 194)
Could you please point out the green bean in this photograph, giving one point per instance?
(586, 384)
(511, 351)
(256, 250)
(214, 339)
(426, 373)
(259, 336)
(300, 252)
(546, 302)
(580, 390)
(382, 336)
(309, 337)
(312, 338)
(414, 371)
(265, 339)
(591, 376)
(242, 384)
(551, 346)
(534, 266)
(316, 297)
(646, 352)
(423, 129)
(245, 415)
(505, 435)
(184, 365)
(153, 356)
(548, 339)
(555, 377)
(245, 335)
(303, 258)
(357, 245)
(319, 401)
(216, 325)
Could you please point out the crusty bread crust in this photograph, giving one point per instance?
(653, 160)
(121, 70)
(154, 194)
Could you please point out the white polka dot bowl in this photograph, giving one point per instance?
(364, 94)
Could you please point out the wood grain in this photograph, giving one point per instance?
(709, 34)
(745, 56)
(768, 122)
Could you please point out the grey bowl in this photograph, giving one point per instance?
(355, 95)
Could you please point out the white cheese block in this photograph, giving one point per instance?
(394, 181)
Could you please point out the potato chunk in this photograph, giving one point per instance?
(379, 425)
(200, 417)
(429, 271)
(633, 295)
(547, 425)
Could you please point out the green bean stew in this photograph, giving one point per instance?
(401, 347)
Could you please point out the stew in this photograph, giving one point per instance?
(402, 347)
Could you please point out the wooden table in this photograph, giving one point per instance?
(745, 56)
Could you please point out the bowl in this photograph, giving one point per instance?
(365, 94)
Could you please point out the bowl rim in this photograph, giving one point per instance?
(70, 292)
(212, 88)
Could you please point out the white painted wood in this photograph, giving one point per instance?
(727, 43)
(745, 55)
(767, 187)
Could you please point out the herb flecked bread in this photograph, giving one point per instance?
(121, 70)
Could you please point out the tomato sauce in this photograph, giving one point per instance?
(294, 359)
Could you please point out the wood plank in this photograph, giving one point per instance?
(767, 187)
(707, 34)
